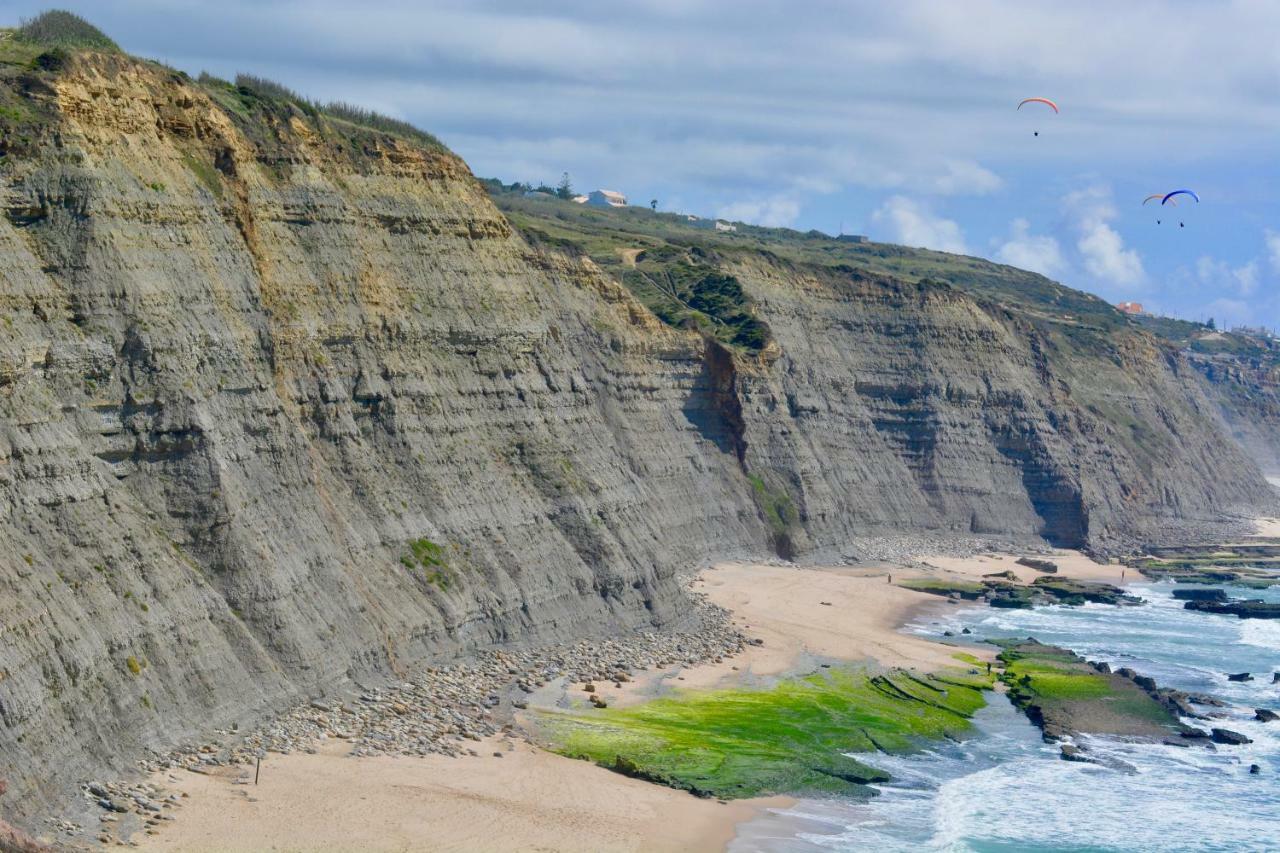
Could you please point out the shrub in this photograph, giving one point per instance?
(60, 28)
(207, 79)
(53, 59)
(427, 553)
(132, 663)
(378, 121)
(263, 87)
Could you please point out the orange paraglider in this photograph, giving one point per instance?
(1050, 104)
(1160, 196)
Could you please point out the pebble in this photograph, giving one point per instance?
(433, 713)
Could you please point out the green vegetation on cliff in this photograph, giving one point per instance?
(610, 235)
(251, 92)
(44, 44)
(789, 738)
(59, 28)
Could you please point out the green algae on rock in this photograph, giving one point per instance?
(1000, 592)
(1064, 694)
(792, 737)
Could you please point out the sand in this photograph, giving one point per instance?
(1071, 564)
(526, 800)
(534, 800)
(1267, 527)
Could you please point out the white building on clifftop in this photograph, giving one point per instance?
(606, 198)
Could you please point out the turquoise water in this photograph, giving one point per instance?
(1006, 790)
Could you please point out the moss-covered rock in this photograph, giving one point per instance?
(793, 737)
(1065, 695)
(970, 590)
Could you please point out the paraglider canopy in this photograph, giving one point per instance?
(1170, 196)
(1050, 103)
(1160, 196)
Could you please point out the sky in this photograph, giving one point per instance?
(896, 120)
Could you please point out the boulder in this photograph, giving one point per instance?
(1075, 592)
(1229, 737)
(1219, 595)
(1046, 566)
(1239, 676)
(1264, 715)
(1252, 608)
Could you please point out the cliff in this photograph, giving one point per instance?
(1240, 373)
(285, 400)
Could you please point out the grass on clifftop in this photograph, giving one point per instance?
(790, 738)
(249, 91)
(59, 28)
(601, 232)
(47, 39)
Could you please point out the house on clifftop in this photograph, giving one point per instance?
(606, 198)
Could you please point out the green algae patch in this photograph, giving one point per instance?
(789, 738)
(965, 589)
(1065, 695)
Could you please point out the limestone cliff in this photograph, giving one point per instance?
(285, 400)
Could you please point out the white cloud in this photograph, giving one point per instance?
(1106, 257)
(1241, 280)
(1101, 247)
(1273, 248)
(773, 212)
(1036, 252)
(966, 176)
(913, 224)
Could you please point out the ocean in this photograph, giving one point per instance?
(1007, 790)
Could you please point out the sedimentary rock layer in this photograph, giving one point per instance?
(285, 401)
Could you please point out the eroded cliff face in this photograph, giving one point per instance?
(898, 404)
(248, 358)
(1247, 393)
(240, 377)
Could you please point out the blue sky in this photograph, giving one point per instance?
(894, 119)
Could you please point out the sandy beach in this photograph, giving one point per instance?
(530, 799)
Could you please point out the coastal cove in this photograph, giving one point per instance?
(801, 618)
(1006, 788)
(798, 472)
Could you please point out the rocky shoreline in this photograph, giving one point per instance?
(1066, 695)
(445, 710)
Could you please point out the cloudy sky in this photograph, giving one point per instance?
(895, 120)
